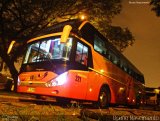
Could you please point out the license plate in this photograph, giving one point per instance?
(30, 89)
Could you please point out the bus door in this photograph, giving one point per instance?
(81, 62)
(79, 84)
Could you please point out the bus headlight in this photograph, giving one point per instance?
(60, 80)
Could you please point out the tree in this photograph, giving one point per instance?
(121, 38)
(155, 6)
(100, 14)
(22, 19)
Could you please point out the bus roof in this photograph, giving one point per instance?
(75, 23)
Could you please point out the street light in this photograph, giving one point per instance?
(83, 17)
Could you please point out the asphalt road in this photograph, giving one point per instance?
(20, 107)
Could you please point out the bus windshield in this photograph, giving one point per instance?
(48, 49)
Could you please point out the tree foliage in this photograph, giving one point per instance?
(155, 6)
(122, 38)
(21, 19)
(101, 14)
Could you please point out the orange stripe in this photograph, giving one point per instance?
(44, 36)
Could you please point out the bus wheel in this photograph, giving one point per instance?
(104, 98)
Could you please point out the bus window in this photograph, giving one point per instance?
(87, 32)
(49, 48)
(33, 55)
(141, 79)
(115, 60)
(124, 66)
(99, 45)
(81, 54)
(129, 71)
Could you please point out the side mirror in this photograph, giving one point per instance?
(65, 33)
(10, 47)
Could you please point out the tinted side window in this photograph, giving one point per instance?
(87, 33)
(99, 45)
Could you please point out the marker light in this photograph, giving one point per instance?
(121, 89)
(102, 71)
(10, 47)
(60, 80)
(18, 81)
(90, 89)
(65, 34)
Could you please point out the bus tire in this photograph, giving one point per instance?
(104, 98)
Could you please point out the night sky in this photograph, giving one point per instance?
(145, 26)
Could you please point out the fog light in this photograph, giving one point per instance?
(55, 92)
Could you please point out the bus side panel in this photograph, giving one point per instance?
(114, 77)
(94, 84)
(77, 84)
(96, 79)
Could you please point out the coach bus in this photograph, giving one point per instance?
(73, 61)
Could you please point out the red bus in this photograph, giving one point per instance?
(72, 60)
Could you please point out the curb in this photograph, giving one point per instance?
(13, 98)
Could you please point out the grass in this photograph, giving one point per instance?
(18, 111)
(33, 112)
(30, 111)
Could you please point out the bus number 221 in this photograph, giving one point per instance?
(78, 78)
